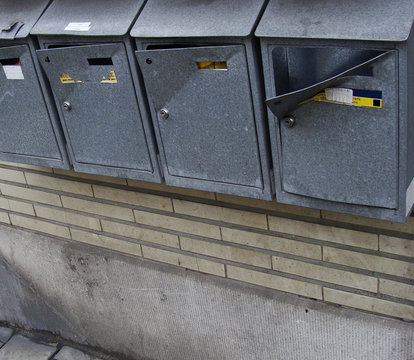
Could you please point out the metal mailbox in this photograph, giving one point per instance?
(339, 88)
(200, 65)
(29, 125)
(89, 61)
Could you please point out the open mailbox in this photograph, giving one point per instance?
(30, 130)
(88, 58)
(339, 82)
(200, 65)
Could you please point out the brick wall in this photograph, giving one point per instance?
(352, 261)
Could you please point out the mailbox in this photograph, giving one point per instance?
(30, 131)
(339, 89)
(200, 65)
(88, 58)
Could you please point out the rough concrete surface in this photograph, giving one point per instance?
(20, 347)
(142, 309)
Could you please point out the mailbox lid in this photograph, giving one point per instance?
(197, 18)
(22, 13)
(88, 17)
(103, 123)
(378, 20)
(25, 124)
(210, 133)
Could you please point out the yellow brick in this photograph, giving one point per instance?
(269, 205)
(275, 282)
(171, 189)
(41, 226)
(218, 213)
(324, 273)
(226, 252)
(138, 233)
(4, 218)
(397, 246)
(30, 194)
(59, 184)
(325, 233)
(106, 242)
(98, 208)
(24, 166)
(12, 175)
(369, 262)
(67, 217)
(185, 261)
(16, 206)
(369, 304)
(273, 243)
(106, 179)
(133, 197)
(177, 224)
(381, 224)
(396, 289)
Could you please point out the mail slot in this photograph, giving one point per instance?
(89, 61)
(30, 130)
(339, 83)
(199, 63)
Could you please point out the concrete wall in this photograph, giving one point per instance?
(142, 309)
(351, 261)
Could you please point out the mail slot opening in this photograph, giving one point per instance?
(296, 68)
(171, 46)
(100, 61)
(212, 65)
(58, 46)
(12, 61)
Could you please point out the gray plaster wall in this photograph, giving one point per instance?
(145, 310)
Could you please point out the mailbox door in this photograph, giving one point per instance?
(25, 124)
(204, 114)
(94, 90)
(342, 152)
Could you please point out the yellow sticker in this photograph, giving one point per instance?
(212, 65)
(66, 79)
(112, 78)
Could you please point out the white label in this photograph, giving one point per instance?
(340, 95)
(13, 72)
(78, 26)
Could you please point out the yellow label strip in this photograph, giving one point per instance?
(212, 65)
(374, 102)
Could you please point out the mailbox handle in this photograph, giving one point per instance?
(10, 31)
(282, 105)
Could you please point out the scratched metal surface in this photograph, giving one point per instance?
(379, 20)
(30, 130)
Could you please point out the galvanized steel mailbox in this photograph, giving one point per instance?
(339, 82)
(29, 125)
(89, 61)
(200, 68)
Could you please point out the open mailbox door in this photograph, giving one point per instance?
(339, 128)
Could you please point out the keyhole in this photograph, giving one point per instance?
(148, 61)
(47, 59)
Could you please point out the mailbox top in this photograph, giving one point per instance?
(197, 18)
(88, 17)
(17, 17)
(378, 20)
